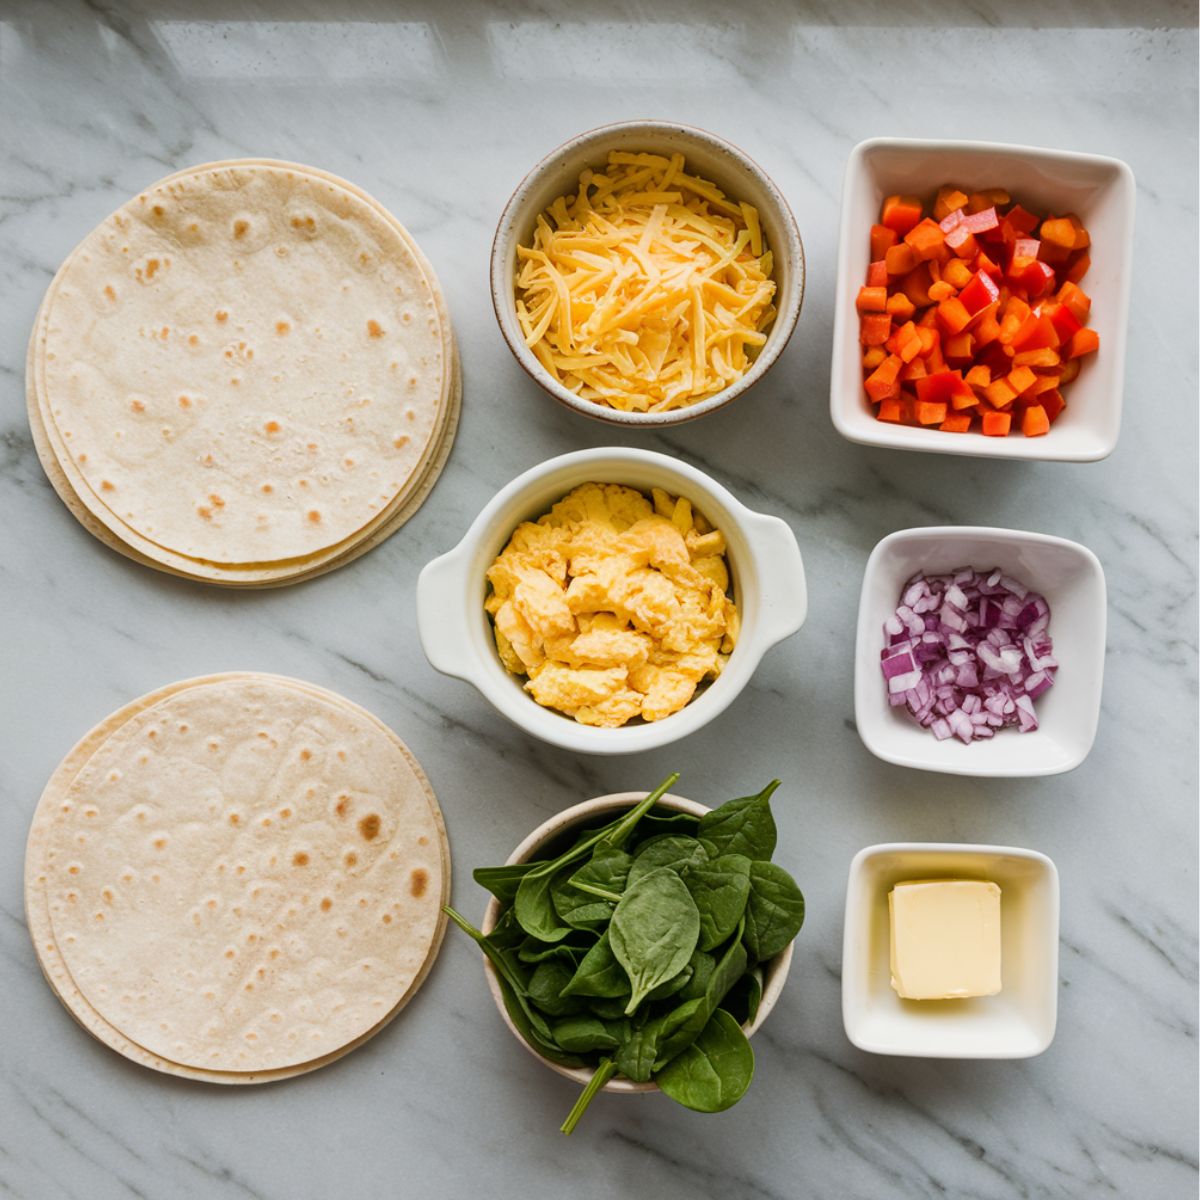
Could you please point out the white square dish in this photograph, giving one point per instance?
(1019, 1021)
(1072, 580)
(1100, 190)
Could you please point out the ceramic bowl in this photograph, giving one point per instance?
(766, 574)
(599, 810)
(1018, 1022)
(707, 155)
(1100, 190)
(1071, 579)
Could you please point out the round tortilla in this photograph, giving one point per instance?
(324, 377)
(309, 1002)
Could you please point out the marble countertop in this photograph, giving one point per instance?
(438, 109)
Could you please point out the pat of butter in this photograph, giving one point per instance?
(945, 938)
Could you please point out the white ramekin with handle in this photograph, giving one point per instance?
(766, 573)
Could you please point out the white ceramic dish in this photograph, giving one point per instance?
(1018, 1022)
(766, 572)
(707, 155)
(1071, 579)
(774, 974)
(1100, 190)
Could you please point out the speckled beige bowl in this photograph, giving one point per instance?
(707, 155)
(775, 972)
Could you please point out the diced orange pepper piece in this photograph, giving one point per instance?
(1082, 238)
(892, 409)
(915, 285)
(957, 273)
(901, 213)
(1045, 383)
(913, 371)
(991, 198)
(1000, 393)
(979, 376)
(882, 239)
(929, 413)
(1036, 331)
(1076, 299)
(900, 259)
(1045, 357)
(873, 356)
(883, 382)
(900, 306)
(1059, 232)
(1078, 268)
(925, 239)
(1069, 371)
(941, 290)
(1034, 422)
(876, 328)
(871, 299)
(997, 424)
(965, 399)
(877, 275)
(929, 338)
(949, 199)
(986, 328)
(1083, 341)
(1014, 306)
(956, 423)
(953, 316)
(967, 249)
(1021, 380)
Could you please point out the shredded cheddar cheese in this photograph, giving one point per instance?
(648, 289)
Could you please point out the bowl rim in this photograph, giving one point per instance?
(553, 827)
(752, 645)
(778, 335)
(853, 984)
(1012, 768)
(883, 434)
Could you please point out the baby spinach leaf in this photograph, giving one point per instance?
(586, 1034)
(608, 869)
(743, 999)
(546, 1046)
(702, 965)
(502, 882)
(599, 974)
(720, 888)
(607, 1008)
(570, 950)
(714, 1072)
(774, 912)
(577, 909)
(640, 1053)
(653, 931)
(743, 826)
(534, 909)
(672, 986)
(545, 989)
(671, 850)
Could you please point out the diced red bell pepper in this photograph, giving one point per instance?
(1021, 220)
(1026, 248)
(1078, 266)
(962, 241)
(876, 329)
(877, 275)
(1062, 318)
(1076, 299)
(882, 239)
(981, 222)
(1035, 333)
(901, 213)
(979, 293)
(985, 264)
(1053, 403)
(941, 387)
(1031, 276)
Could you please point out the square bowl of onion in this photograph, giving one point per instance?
(980, 651)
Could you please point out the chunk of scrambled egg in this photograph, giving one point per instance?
(614, 605)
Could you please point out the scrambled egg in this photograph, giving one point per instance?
(614, 606)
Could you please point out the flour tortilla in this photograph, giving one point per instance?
(338, 414)
(149, 940)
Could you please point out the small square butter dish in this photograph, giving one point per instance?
(953, 936)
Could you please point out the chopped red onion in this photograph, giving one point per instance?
(968, 652)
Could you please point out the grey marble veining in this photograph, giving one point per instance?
(438, 109)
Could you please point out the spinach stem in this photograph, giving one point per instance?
(593, 890)
(604, 1072)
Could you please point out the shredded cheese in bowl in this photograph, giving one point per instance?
(647, 289)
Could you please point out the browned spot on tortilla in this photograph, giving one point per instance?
(239, 228)
(314, 516)
(400, 442)
(83, 458)
(326, 904)
(387, 918)
(369, 826)
(285, 813)
(151, 267)
(374, 329)
(267, 488)
(216, 500)
(105, 486)
(419, 882)
(157, 210)
(351, 859)
(342, 805)
(193, 340)
(305, 755)
(234, 818)
(272, 427)
(300, 859)
(222, 316)
(282, 328)
(110, 293)
(185, 402)
(204, 512)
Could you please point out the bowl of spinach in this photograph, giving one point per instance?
(635, 942)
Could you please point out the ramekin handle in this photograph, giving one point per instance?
(441, 619)
(783, 591)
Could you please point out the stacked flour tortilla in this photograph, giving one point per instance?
(245, 375)
(237, 878)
